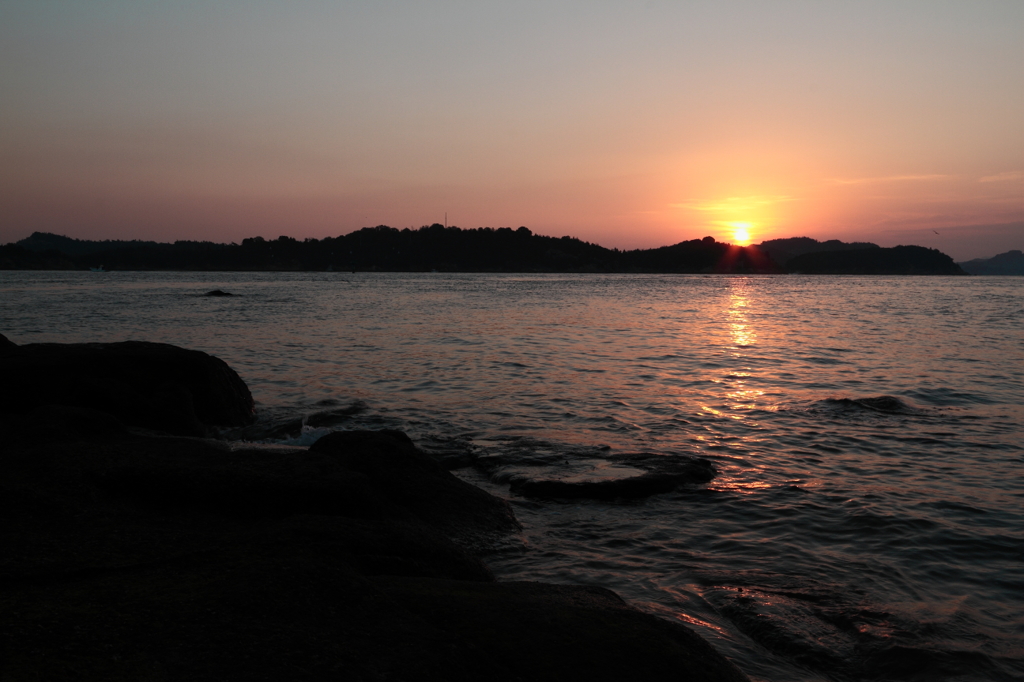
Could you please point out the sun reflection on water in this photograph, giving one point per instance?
(745, 486)
(744, 398)
(739, 325)
(739, 395)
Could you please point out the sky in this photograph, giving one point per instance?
(628, 124)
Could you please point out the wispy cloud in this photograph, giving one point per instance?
(886, 178)
(1008, 176)
(735, 203)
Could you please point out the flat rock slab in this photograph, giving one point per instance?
(626, 476)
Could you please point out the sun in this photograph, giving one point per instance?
(741, 232)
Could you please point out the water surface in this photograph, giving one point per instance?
(866, 523)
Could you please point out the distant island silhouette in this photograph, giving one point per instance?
(1009, 263)
(484, 249)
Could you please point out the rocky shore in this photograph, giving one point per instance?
(138, 548)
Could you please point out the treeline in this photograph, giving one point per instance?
(452, 249)
(383, 248)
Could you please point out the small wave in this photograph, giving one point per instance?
(307, 436)
(948, 396)
(335, 416)
(825, 361)
(296, 426)
(451, 452)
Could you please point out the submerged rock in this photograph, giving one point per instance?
(885, 404)
(626, 476)
(152, 385)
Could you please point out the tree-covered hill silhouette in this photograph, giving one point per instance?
(898, 260)
(387, 249)
(451, 249)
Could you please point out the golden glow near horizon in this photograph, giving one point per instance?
(741, 232)
(734, 219)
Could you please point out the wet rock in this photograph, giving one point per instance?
(411, 479)
(885, 404)
(151, 385)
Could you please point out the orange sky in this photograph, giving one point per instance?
(627, 124)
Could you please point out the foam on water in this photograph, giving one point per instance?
(866, 522)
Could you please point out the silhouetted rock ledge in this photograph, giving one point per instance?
(151, 385)
(136, 556)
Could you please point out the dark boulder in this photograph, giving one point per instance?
(7, 347)
(92, 465)
(412, 480)
(151, 385)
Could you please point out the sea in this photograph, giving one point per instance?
(867, 519)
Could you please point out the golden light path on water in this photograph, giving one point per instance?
(740, 398)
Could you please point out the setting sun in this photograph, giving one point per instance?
(741, 233)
